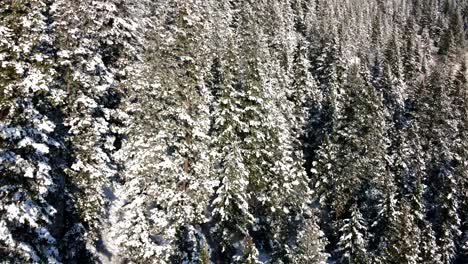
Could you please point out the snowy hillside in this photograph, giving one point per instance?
(234, 131)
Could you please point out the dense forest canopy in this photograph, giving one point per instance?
(233, 131)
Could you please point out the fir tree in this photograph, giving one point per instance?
(403, 246)
(310, 245)
(429, 252)
(250, 252)
(32, 180)
(352, 244)
(454, 36)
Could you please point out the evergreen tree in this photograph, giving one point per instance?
(311, 244)
(250, 252)
(441, 168)
(411, 52)
(429, 252)
(231, 204)
(384, 228)
(453, 38)
(180, 131)
(353, 242)
(94, 50)
(275, 172)
(230, 207)
(403, 246)
(33, 196)
(307, 111)
(461, 106)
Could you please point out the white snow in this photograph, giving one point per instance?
(29, 173)
(110, 238)
(46, 126)
(41, 148)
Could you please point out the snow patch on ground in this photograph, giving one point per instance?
(109, 247)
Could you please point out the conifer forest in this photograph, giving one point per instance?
(234, 131)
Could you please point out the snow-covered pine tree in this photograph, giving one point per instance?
(186, 117)
(384, 227)
(311, 243)
(440, 136)
(403, 245)
(428, 249)
(249, 253)
(410, 52)
(168, 169)
(357, 116)
(93, 50)
(307, 101)
(392, 83)
(230, 207)
(32, 195)
(449, 220)
(415, 192)
(159, 159)
(260, 122)
(264, 144)
(352, 243)
(326, 68)
(453, 39)
(231, 216)
(460, 83)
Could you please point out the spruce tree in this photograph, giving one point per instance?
(33, 195)
(231, 214)
(310, 245)
(403, 246)
(429, 252)
(453, 39)
(250, 252)
(352, 244)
